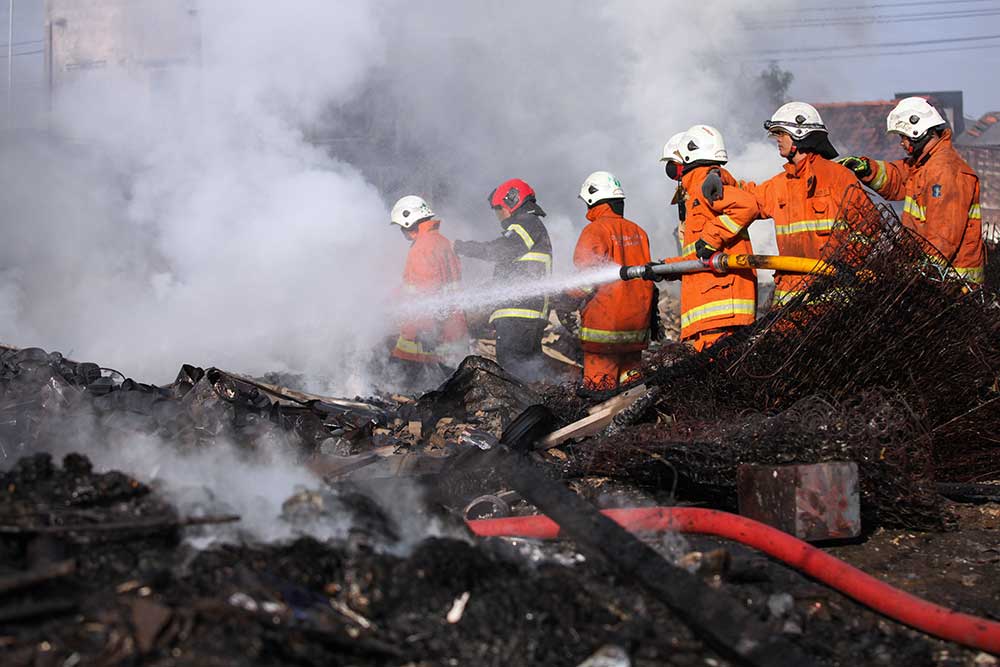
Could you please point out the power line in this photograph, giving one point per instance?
(3, 56)
(30, 41)
(842, 56)
(879, 45)
(866, 20)
(876, 5)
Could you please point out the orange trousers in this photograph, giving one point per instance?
(708, 338)
(608, 371)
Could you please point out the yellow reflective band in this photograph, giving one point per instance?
(542, 257)
(881, 175)
(727, 308)
(730, 224)
(975, 212)
(911, 206)
(973, 274)
(411, 347)
(689, 249)
(523, 233)
(783, 296)
(605, 336)
(824, 225)
(522, 313)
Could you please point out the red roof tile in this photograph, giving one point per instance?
(858, 128)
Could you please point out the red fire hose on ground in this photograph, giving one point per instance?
(933, 619)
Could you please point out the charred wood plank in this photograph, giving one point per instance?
(40, 575)
(717, 618)
(157, 524)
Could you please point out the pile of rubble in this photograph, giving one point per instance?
(885, 365)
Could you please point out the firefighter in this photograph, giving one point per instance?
(427, 342)
(805, 198)
(522, 254)
(616, 320)
(672, 159)
(939, 190)
(712, 305)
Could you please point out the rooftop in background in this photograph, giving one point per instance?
(984, 132)
(858, 128)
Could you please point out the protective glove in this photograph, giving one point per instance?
(858, 164)
(703, 250)
(712, 187)
(459, 247)
(649, 274)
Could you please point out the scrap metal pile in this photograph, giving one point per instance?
(891, 362)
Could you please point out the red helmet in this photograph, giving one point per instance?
(511, 195)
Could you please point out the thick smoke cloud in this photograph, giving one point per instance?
(235, 213)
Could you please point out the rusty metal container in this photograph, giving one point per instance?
(813, 502)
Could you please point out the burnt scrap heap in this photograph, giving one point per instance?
(890, 363)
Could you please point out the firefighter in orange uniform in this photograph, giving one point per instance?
(940, 191)
(615, 323)
(712, 305)
(427, 342)
(805, 198)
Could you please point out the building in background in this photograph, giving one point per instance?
(141, 37)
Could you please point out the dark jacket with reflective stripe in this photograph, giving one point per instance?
(523, 253)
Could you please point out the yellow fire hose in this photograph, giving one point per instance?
(722, 263)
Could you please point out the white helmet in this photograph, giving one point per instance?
(797, 119)
(702, 142)
(912, 117)
(601, 185)
(670, 149)
(410, 210)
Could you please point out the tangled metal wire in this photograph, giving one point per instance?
(892, 361)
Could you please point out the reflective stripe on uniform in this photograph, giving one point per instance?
(688, 249)
(824, 225)
(414, 348)
(881, 175)
(726, 308)
(543, 257)
(606, 336)
(523, 313)
(975, 212)
(523, 233)
(911, 206)
(730, 224)
(973, 274)
(783, 296)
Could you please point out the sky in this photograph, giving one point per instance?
(237, 214)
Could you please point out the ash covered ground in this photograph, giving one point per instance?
(229, 520)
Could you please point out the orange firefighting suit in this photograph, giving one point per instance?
(940, 194)
(714, 305)
(615, 322)
(431, 268)
(803, 201)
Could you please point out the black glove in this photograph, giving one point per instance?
(712, 187)
(649, 274)
(703, 250)
(459, 246)
(859, 165)
(656, 331)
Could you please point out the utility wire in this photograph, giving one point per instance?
(842, 56)
(30, 41)
(879, 45)
(876, 5)
(3, 56)
(865, 20)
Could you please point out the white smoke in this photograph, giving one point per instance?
(196, 220)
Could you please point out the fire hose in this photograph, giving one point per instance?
(722, 263)
(898, 605)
